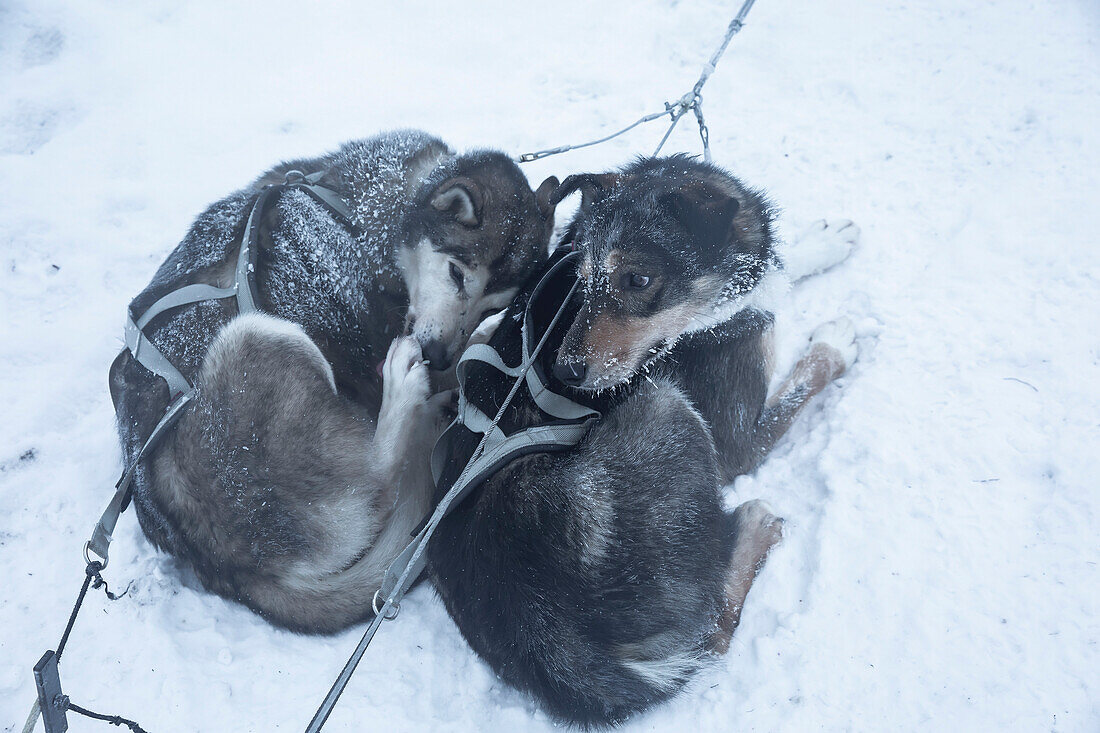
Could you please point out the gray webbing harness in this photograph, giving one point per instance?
(180, 389)
(495, 448)
(569, 422)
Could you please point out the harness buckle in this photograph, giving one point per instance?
(295, 178)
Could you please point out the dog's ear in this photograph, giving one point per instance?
(462, 197)
(706, 214)
(592, 186)
(544, 197)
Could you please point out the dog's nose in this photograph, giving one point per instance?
(572, 373)
(435, 351)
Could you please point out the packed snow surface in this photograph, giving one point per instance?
(940, 565)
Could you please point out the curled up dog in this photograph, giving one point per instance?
(297, 472)
(601, 578)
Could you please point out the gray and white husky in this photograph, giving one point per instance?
(298, 472)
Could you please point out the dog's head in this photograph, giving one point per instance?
(477, 230)
(670, 246)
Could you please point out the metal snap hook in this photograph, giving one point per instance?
(88, 552)
(396, 607)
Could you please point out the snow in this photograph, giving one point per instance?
(940, 565)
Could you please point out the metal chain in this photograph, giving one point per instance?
(692, 101)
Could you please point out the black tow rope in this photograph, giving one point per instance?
(52, 702)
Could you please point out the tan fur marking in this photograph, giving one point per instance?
(616, 345)
(767, 347)
(820, 365)
(758, 531)
(586, 268)
(615, 337)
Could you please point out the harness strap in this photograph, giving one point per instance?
(152, 359)
(147, 353)
(246, 256)
(250, 242)
(324, 195)
(485, 354)
(549, 402)
(478, 421)
(408, 566)
(100, 541)
(186, 295)
(468, 413)
(244, 286)
(555, 404)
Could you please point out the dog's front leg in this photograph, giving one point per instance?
(407, 415)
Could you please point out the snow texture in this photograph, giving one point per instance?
(939, 570)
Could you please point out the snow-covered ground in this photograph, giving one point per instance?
(940, 570)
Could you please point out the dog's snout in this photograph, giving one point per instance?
(572, 373)
(435, 351)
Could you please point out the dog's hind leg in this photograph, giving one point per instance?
(285, 494)
(754, 531)
(832, 350)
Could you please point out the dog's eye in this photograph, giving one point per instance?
(634, 281)
(457, 276)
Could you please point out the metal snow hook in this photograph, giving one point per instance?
(692, 101)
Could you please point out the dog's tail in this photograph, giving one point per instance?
(309, 602)
(272, 483)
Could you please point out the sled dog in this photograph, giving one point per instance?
(599, 579)
(298, 471)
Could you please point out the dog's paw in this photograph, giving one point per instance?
(405, 374)
(838, 340)
(823, 245)
(758, 531)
